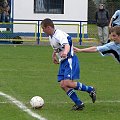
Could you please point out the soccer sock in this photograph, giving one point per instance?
(83, 87)
(71, 93)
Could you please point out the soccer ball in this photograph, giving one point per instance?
(37, 102)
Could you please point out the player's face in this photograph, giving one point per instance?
(115, 37)
(46, 30)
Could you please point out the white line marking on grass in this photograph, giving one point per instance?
(22, 106)
(100, 101)
(109, 101)
(3, 102)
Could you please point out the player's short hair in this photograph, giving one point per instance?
(47, 22)
(115, 29)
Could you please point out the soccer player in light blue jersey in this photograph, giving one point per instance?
(63, 54)
(112, 48)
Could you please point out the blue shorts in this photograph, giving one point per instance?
(69, 69)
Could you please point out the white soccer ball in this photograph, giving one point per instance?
(37, 102)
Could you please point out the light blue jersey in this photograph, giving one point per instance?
(116, 18)
(69, 66)
(111, 48)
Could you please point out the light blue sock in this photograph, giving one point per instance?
(83, 87)
(71, 93)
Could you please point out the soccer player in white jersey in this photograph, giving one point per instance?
(63, 54)
(112, 48)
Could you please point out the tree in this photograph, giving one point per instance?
(91, 10)
(112, 6)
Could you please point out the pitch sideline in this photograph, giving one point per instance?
(22, 106)
(100, 101)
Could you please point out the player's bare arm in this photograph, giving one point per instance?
(65, 51)
(110, 24)
(90, 49)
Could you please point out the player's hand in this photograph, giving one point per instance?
(63, 54)
(55, 60)
(76, 49)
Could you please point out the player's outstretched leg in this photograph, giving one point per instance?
(89, 89)
(79, 105)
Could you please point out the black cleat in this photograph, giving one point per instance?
(93, 95)
(78, 107)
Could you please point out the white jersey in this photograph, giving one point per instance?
(111, 48)
(58, 40)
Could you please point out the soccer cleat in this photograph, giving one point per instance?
(78, 107)
(93, 95)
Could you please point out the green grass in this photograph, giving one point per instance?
(26, 71)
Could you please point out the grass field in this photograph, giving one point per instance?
(26, 71)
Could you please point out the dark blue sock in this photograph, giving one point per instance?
(83, 87)
(71, 93)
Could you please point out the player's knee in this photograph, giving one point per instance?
(63, 85)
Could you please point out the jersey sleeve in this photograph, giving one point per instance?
(110, 49)
(102, 49)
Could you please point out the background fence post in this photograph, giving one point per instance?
(80, 34)
(38, 34)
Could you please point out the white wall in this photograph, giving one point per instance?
(74, 10)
